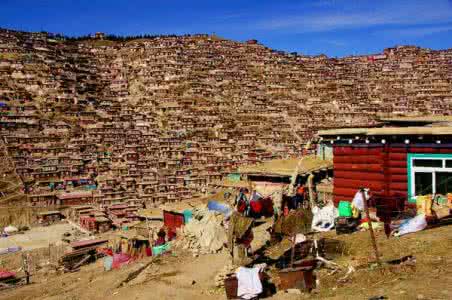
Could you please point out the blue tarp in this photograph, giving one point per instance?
(159, 250)
(222, 208)
(188, 214)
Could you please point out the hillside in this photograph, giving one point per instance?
(165, 116)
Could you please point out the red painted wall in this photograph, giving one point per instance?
(381, 168)
(173, 220)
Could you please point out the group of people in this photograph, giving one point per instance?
(294, 202)
(252, 204)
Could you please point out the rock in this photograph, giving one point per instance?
(294, 291)
(204, 233)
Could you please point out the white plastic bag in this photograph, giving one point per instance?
(323, 219)
(358, 200)
(415, 224)
(10, 229)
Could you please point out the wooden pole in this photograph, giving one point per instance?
(26, 266)
(292, 254)
(371, 230)
(311, 190)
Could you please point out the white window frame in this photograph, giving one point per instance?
(432, 170)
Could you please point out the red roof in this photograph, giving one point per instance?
(86, 243)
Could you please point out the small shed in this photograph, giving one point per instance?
(172, 219)
(404, 156)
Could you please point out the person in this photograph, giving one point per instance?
(299, 197)
(160, 237)
(285, 210)
(241, 202)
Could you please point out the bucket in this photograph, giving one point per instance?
(108, 263)
(345, 209)
(301, 278)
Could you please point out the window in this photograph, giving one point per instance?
(434, 163)
(443, 182)
(429, 174)
(423, 183)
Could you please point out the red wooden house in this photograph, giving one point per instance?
(406, 156)
(172, 219)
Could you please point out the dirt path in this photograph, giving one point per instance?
(182, 276)
(169, 277)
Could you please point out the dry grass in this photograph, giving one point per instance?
(427, 277)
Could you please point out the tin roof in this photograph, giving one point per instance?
(286, 167)
(150, 213)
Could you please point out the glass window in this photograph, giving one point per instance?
(443, 183)
(431, 163)
(423, 183)
(448, 163)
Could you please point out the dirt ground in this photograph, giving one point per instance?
(182, 276)
(37, 237)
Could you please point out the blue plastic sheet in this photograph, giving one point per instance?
(159, 250)
(188, 214)
(222, 208)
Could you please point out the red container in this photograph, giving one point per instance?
(301, 278)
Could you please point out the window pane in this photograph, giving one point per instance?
(423, 183)
(448, 163)
(443, 183)
(436, 163)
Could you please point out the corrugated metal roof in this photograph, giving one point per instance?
(286, 167)
(151, 213)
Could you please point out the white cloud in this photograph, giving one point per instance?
(399, 13)
(418, 31)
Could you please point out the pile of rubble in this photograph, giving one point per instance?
(223, 274)
(205, 233)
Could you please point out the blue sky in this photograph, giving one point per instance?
(331, 27)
